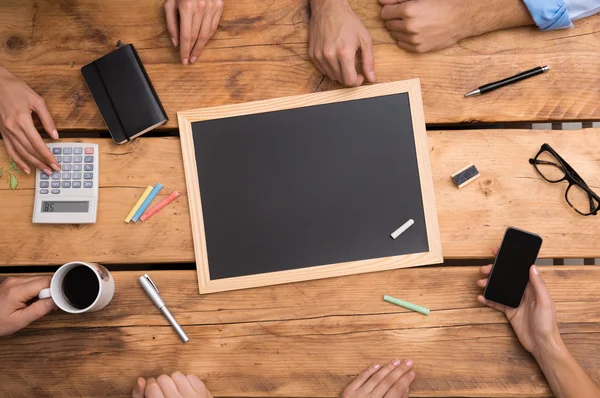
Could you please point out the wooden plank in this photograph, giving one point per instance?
(304, 339)
(472, 220)
(433, 256)
(260, 52)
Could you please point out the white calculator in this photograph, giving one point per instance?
(68, 196)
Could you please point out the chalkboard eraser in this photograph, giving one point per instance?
(465, 175)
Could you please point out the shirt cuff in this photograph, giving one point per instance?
(549, 14)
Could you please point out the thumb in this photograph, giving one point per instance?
(542, 295)
(368, 59)
(39, 106)
(34, 312)
(140, 388)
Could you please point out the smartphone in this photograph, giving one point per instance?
(510, 272)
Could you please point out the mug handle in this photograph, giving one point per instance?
(44, 294)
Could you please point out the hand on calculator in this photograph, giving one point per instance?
(22, 140)
(176, 386)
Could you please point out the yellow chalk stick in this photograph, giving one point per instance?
(139, 203)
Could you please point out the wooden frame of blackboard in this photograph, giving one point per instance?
(433, 256)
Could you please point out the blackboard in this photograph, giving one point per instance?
(307, 187)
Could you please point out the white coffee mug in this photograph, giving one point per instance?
(106, 288)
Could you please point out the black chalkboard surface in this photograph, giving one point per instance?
(315, 185)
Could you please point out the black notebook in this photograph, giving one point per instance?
(124, 94)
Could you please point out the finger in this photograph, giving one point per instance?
(542, 294)
(40, 108)
(31, 288)
(183, 384)
(492, 304)
(348, 68)
(172, 24)
(33, 312)
(167, 385)
(42, 152)
(331, 60)
(196, 383)
(390, 380)
(186, 37)
(12, 153)
(26, 155)
(482, 283)
(397, 25)
(393, 11)
(495, 252)
(363, 377)
(406, 46)
(368, 59)
(379, 376)
(486, 269)
(204, 35)
(216, 18)
(140, 387)
(400, 388)
(390, 2)
(196, 26)
(406, 393)
(153, 389)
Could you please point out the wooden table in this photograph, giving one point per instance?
(304, 339)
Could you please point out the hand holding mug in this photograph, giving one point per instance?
(15, 293)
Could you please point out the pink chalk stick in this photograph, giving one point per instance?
(149, 213)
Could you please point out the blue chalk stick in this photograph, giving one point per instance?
(147, 202)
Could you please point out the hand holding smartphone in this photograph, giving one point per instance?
(510, 272)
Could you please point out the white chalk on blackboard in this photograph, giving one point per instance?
(403, 228)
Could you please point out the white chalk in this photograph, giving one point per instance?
(403, 228)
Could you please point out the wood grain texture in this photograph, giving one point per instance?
(304, 339)
(260, 52)
(208, 285)
(472, 219)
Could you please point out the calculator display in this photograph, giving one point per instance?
(65, 207)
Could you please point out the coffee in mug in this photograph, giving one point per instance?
(78, 287)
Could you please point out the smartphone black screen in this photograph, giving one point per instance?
(510, 273)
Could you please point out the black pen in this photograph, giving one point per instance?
(510, 80)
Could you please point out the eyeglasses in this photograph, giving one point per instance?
(553, 168)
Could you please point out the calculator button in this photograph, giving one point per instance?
(77, 151)
(55, 184)
(56, 151)
(66, 176)
(67, 159)
(55, 191)
(88, 176)
(66, 184)
(88, 184)
(66, 167)
(77, 176)
(76, 159)
(58, 158)
(56, 175)
(44, 176)
(76, 184)
(43, 191)
(89, 150)
(44, 184)
(76, 167)
(88, 159)
(88, 167)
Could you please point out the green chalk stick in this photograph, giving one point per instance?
(406, 304)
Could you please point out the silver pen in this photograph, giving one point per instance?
(152, 292)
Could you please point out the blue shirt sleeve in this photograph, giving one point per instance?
(549, 14)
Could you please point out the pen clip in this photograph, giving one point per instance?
(150, 280)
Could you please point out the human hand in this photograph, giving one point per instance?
(22, 140)
(428, 25)
(176, 386)
(198, 22)
(391, 381)
(335, 35)
(15, 314)
(534, 321)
